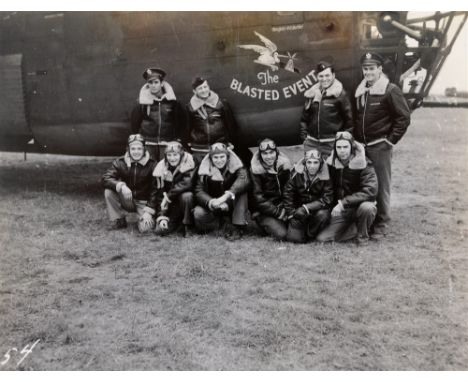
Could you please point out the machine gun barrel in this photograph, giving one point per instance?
(410, 32)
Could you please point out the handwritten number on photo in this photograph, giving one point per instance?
(26, 350)
(7, 356)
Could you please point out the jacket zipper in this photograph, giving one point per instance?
(364, 117)
(341, 184)
(318, 120)
(279, 185)
(134, 179)
(160, 122)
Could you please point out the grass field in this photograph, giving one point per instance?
(100, 300)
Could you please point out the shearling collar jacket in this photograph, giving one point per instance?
(357, 162)
(135, 175)
(326, 113)
(354, 183)
(163, 173)
(128, 160)
(314, 192)
(211, 101)
(207, 168)
(378, 88)
(268, 185)
(170, 182)
(282, 163)
(158, 119)
(213, 183)
(382, 112)
(210, 121)
(315, 92)
(147, 98)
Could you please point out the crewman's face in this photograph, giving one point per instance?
(312, 165)
(326, 78)
(268, 157)
(343, 149)
(173, 158)
(219, 160)
(136, 151)
(202, 91)
(371, 73)
(154, 85)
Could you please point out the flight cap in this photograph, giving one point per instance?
(322, 65)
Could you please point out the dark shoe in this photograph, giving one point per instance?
(378, 231)
(362, 241)
(234, 234)
(377, 236)
(119, 224)
(187, 232)
(380, 228)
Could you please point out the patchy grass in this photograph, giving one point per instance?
(119, 300)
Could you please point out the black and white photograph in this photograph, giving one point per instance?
(233, 190)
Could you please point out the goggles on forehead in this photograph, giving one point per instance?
(343, 135)
(312, 154)
(218, 146)
(136, 138)
(173, 147)
(267, 144)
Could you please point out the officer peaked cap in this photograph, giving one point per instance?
(370, 58)
(154, 72)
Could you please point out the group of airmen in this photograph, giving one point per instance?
(186, 171)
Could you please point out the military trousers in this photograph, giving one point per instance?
(272, 226)
(118, 206)
(381, 156)
(351, 223)
(307, 229)
(178, 212)
(206, 220)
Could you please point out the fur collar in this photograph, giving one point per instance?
(207, 168)
(378, 88)
(334, 90)
(299, 168)
(162, 169)
(257, 168)
(147, 98)
(143, 161)
(211, 101)
(357, 162)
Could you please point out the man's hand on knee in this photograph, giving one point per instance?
(338, 209)
(126, 192)
(301, 214)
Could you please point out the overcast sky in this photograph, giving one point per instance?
(455, 70)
